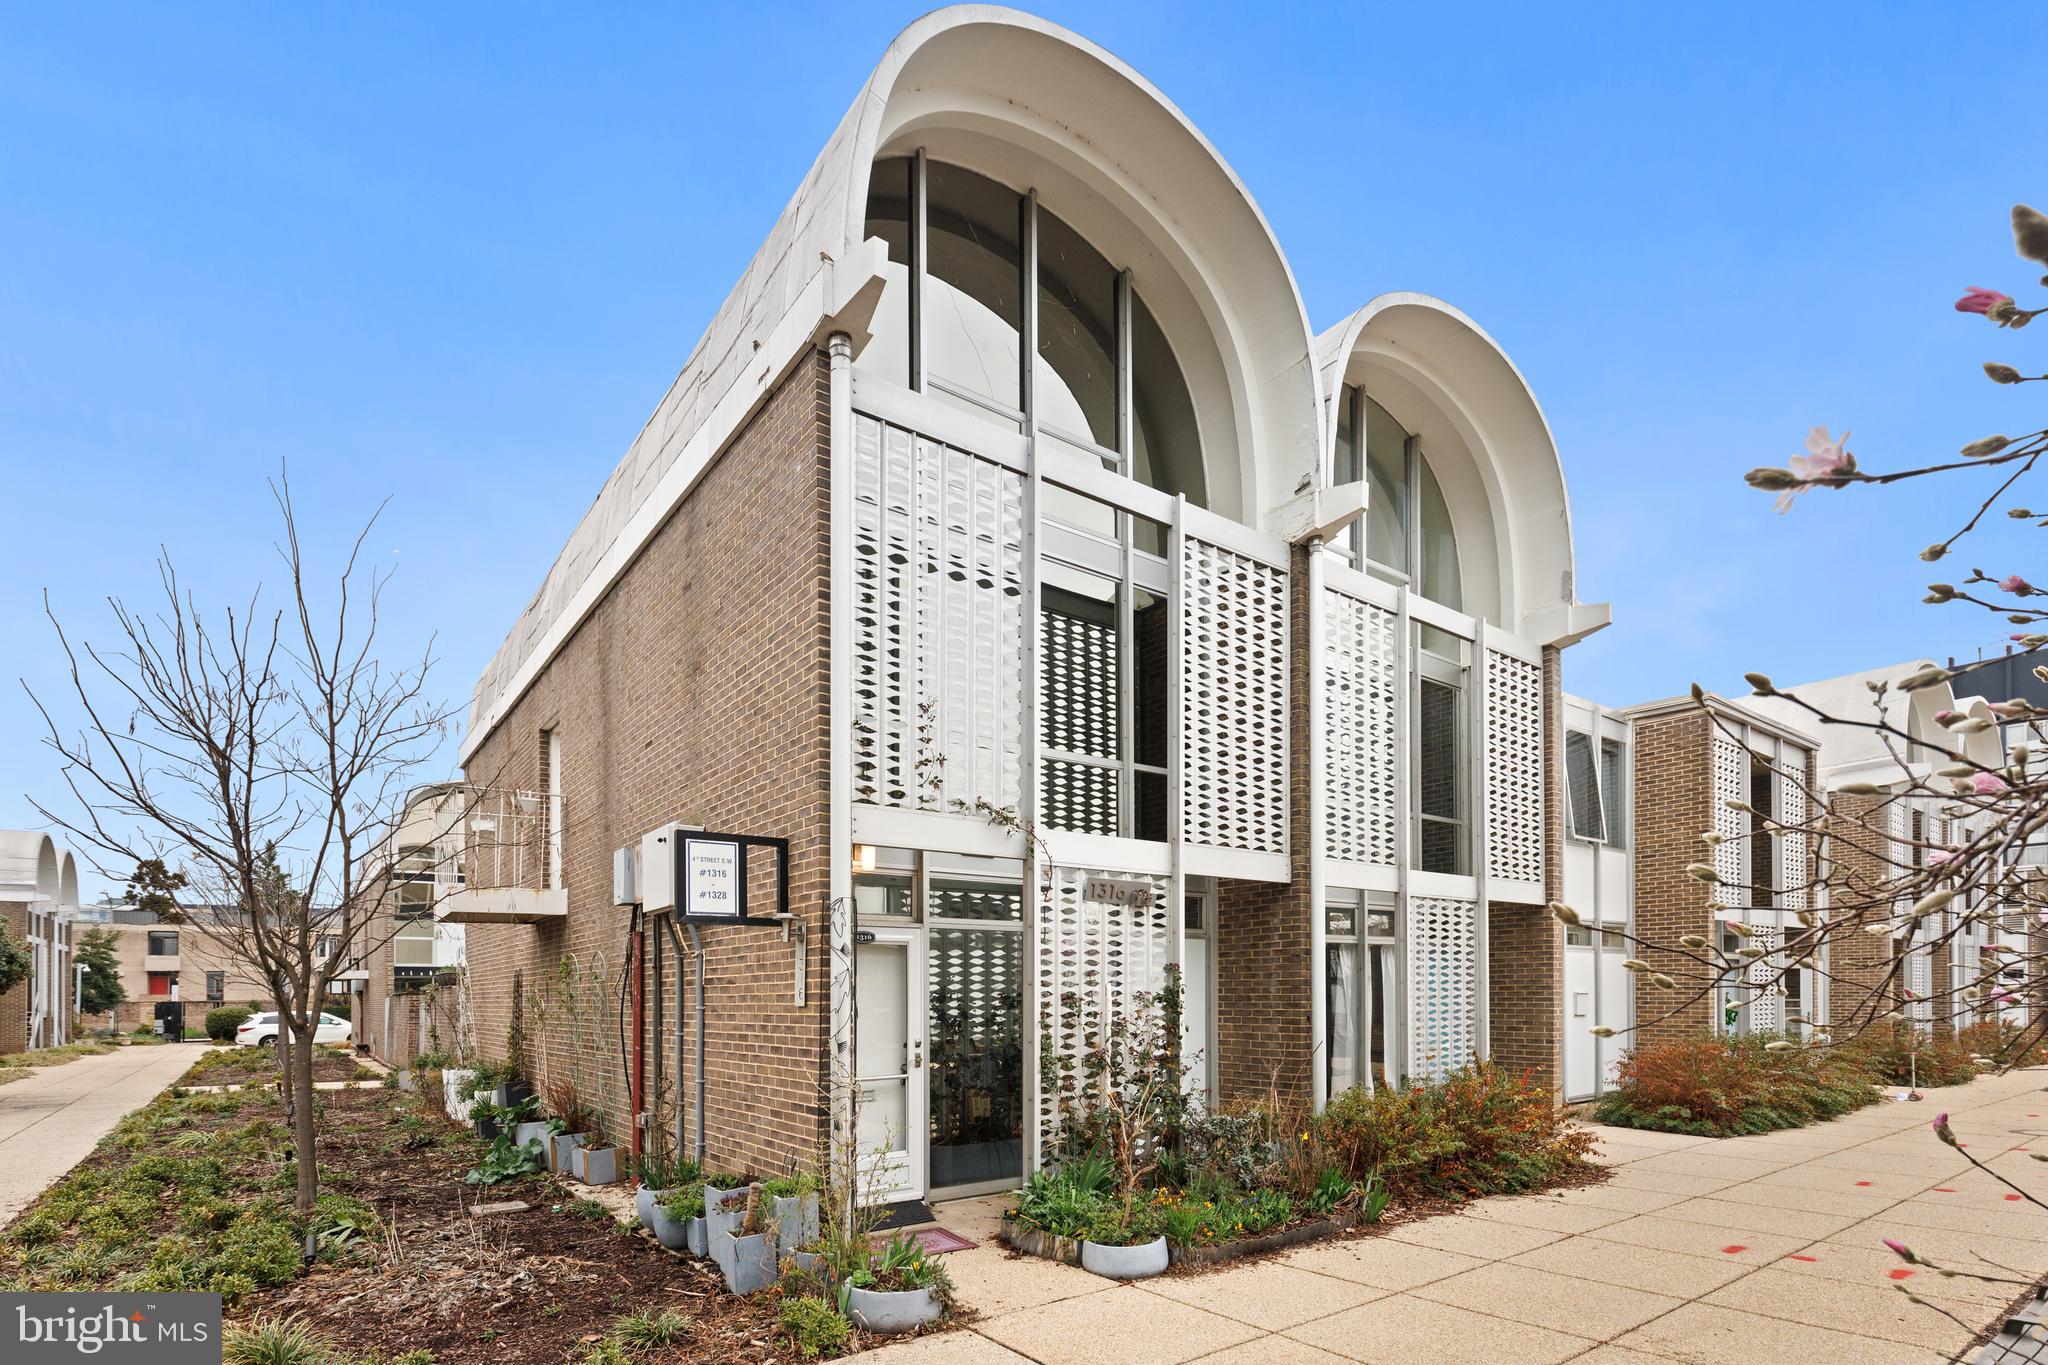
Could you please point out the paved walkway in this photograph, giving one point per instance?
(1747, 1250)
(50, 1120)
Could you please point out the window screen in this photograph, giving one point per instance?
(1614, 791)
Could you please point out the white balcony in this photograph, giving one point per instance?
(502, 905)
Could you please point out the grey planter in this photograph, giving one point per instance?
(406, 1081)
(595, 1165)
(645, 1201)
(533, 1130)
(806, 1262)
(887, 1313)
(451, 1081)
(722, 1211)
(1125, 1263)
(796, 1220)
(670, 1232)
(696, 1240)
(748, 1262)
(559, 1150)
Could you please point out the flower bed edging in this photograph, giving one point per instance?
(1038, 1242)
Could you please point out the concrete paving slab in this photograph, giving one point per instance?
(1875, 1265)
(1271, 1294)
(996, 1283)
(1273, 1351)
(1381, 1262)
(1485, 1238)
(1806, 1224)
(1402, 1330)
(1669, 1182)
(1853, 1202)
(1611, 1194)
(1670, 1273)
(1550, 1214)
(1699, 1239)
(1708, 1334)
(1823, 1302)
(50, 1121)
(1124, 1323)
(1563, 1303)
(948, 1348)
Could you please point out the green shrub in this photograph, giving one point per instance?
(222, 1023)
(274, 1341)
(1900, 1053)
(816, 1329)
(1478, 1131)
(1721, 1087)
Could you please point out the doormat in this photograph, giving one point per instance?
(938, 1240)
(906, 1214)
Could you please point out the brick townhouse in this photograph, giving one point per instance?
(38, 898)
(1014, 554)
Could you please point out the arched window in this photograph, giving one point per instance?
(1407, 528)
(1074, 351)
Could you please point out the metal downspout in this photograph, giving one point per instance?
(837, 1058)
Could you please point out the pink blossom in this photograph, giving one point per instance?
(1904, 1252)
(2015, 584)
(1987, 784)
(1981, 300)
(1941, 1128)
(1940, 855)
(1944, 715)
(1825, 464)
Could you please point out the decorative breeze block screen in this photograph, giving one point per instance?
(937, 619)
(1514, 768)
(1078, 709)
(1920, 981)
(1234, 700)
(1358, 667)
(1731, 783)
(1443, 979)
(1794, 873)
(1094, 960)
(1766, 1012)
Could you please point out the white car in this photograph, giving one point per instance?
(261, 1030)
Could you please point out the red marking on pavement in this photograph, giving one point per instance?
(2013, 1198)
(1863, 1182)
(1734, 1250)
(1900, 1274)
(1810, 1260)
(1943, 1189)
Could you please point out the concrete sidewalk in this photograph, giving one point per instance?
(1702, 1250)
(50, 1120)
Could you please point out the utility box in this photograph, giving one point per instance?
(625, 876)
(657, 879)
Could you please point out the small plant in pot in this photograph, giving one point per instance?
(747, 1253)
(793, 1204)
(680, 1213)
(898, 1288)
(1122, 1247)
(660, 1174)
(568, 1127)
(594, 1161)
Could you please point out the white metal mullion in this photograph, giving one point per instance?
(1479, 840)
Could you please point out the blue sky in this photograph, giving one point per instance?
(455, 254)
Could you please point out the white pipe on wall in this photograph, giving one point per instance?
(1318, 948)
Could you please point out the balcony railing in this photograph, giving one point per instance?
(506, 862)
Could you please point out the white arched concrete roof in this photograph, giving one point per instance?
(1490, 447)
(1010, 95)
(1850, 752)
(67, 882)
(29, 867)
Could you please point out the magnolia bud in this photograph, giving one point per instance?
(1693, 941)
(1859, 789)
(1761, 683)
(1603, 1031)
(1565, 913)
(1932, 553)
(1926, 677)
(1778, 1045)
(2029, 233)
(1700, 872)
(1990, 445)
(1630, 964)
(1662, 981)
(1772, 480)
(2001, 374)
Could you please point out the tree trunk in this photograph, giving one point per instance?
(304, 1146)
(283, 1047)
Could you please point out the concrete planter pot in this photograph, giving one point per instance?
(672, 1233)
(487, 1129)
(696, 1237)
(406, 1081)
(559, 1150)
(1125, 1263)
(796, 1219)
(748, 1261)
(595, 1165)
(533, 1130)
(722, 1211)
(806, 1262)
(512, 1092)
(451, 1082)
(887, 1313)
(645, 1202)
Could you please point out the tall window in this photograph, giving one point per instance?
(1763, 860)
(163, 943)
(1440, 760)
(1360, 1025)
(1407, 531)
(551, 810)
(216, 986)
(995, 304)
(1582, 782)
(1104, 628)
(1614, 790)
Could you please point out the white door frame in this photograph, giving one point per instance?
(900, 1173)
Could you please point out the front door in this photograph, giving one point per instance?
(889, 1059)
(974, 1073)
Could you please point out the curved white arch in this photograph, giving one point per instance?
(29, 869)
(1488, 443)
(67, 882)
(1036, 106)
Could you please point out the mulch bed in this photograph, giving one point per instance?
(258, 1066)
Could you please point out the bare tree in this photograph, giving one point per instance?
(252, 765)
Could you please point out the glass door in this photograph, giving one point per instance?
(974, 954)
(889, 1062)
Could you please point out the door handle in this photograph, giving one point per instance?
(917, 1054)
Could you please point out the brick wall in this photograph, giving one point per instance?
(15, 1003)
(1525, 943)
(1863, 982)
(1265, 1029)
(696, 691)
(1674, 803)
